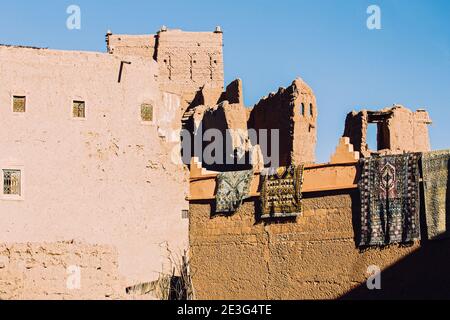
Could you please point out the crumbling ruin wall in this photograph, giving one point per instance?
(293, 111)
(356, 130)
(231, 121)
(313, 257)
(51, 270)
(398, 130)
(98, 178)
(225, 112)
(409, 130)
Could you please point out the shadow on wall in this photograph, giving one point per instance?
(424, 274)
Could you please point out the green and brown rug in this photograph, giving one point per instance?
(232, 188)
(281, 192)
(435, 169)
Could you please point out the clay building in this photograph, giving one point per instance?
(93, 187)
(89, 140)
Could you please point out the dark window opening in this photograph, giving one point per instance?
(378, 131)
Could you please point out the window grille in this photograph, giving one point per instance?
(79, 109)
(19, 103)
(12, 182)
(146, 112)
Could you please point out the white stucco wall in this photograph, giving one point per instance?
(105, 179)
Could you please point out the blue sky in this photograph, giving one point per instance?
(270, 43)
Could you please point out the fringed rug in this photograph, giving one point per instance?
(281, 192)
(232, 188)
(390, 200)
(436, 184)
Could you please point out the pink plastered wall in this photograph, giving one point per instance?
(106, 179)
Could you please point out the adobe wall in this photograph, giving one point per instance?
(410, 130)
(313, 257)
(187, 61)
(51, 270)
(398, 130)
(225, 112)
(131, 45)
(97, 179)
(293, 111)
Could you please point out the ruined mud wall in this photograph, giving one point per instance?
(50, 271)
(96, 179)
(409, 130)
(314, 257)
(398, 130)
(293, 111)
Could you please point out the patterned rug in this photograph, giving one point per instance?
(436, 184)
(390, 200)
(232, 188)
(281, 192)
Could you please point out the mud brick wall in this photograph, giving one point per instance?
(312, 257)
(131, 45)
(292, 111)
(42, 271)
(189, 61)
(398, 130)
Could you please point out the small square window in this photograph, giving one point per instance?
(185, 214)
(12, 182)
(79, 109)
(19, 103)
(146, 112)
